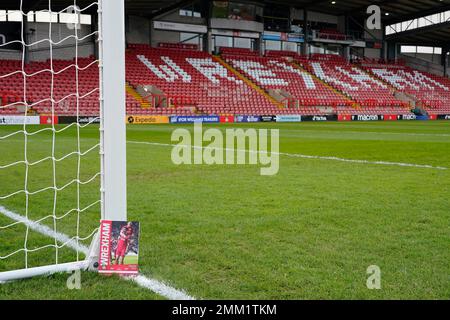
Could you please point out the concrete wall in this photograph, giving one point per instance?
(298, 14)
(434, 58)
(164, 36)
(64, 50)
(10, 55)
(376, 36)
(230, 24)
(341, 24)
(372, 53)
(158, 36)
(431, 64)
(175, 17)
(322, 17)
(373, 34)
(138, 30)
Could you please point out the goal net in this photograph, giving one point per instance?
(62, 132)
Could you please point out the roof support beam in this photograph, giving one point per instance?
(420, 14)
(421, 31)
(170, 8)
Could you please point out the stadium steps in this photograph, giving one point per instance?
(253, 85)
(408, 98)
(342, 94)
(131, 91)
(390, 86)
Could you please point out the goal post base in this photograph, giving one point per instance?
(94, 253)
(89, 264)
(43, 271)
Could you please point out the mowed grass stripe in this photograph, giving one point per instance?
(309, 232)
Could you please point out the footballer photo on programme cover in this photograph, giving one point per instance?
(119, 247)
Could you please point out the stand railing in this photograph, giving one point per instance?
(170, 101)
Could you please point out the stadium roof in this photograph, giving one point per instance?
(398, 10)
(434, 35)
(133, 6)
(393, 11)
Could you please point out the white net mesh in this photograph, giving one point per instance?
(50, 175)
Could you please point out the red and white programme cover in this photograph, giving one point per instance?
(119, 247)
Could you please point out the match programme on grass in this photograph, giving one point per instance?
(224, 159)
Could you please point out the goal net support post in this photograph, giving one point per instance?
(112, 100)
(112, 145)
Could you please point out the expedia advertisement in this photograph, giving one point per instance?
(147, 119)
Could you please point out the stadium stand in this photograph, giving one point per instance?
(367, 91)
(38, 84)
(281, 54)
(430, 91)
(195, 79)
(278, 74)
(193, 82)
(237, 51)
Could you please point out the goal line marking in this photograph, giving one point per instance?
(304, 156)
(148, 283)
(301, 130)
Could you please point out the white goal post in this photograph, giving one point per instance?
(111, 147)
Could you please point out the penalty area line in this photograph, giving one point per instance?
(304, 156)
(151, 284)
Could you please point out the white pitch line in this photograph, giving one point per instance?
(160, 288)
(304, 156)
(46, 231)
(150, 284)
(371, 132)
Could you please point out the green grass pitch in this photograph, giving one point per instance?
(129, 260)
(227, 232)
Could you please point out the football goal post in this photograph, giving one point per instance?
(62, 133)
